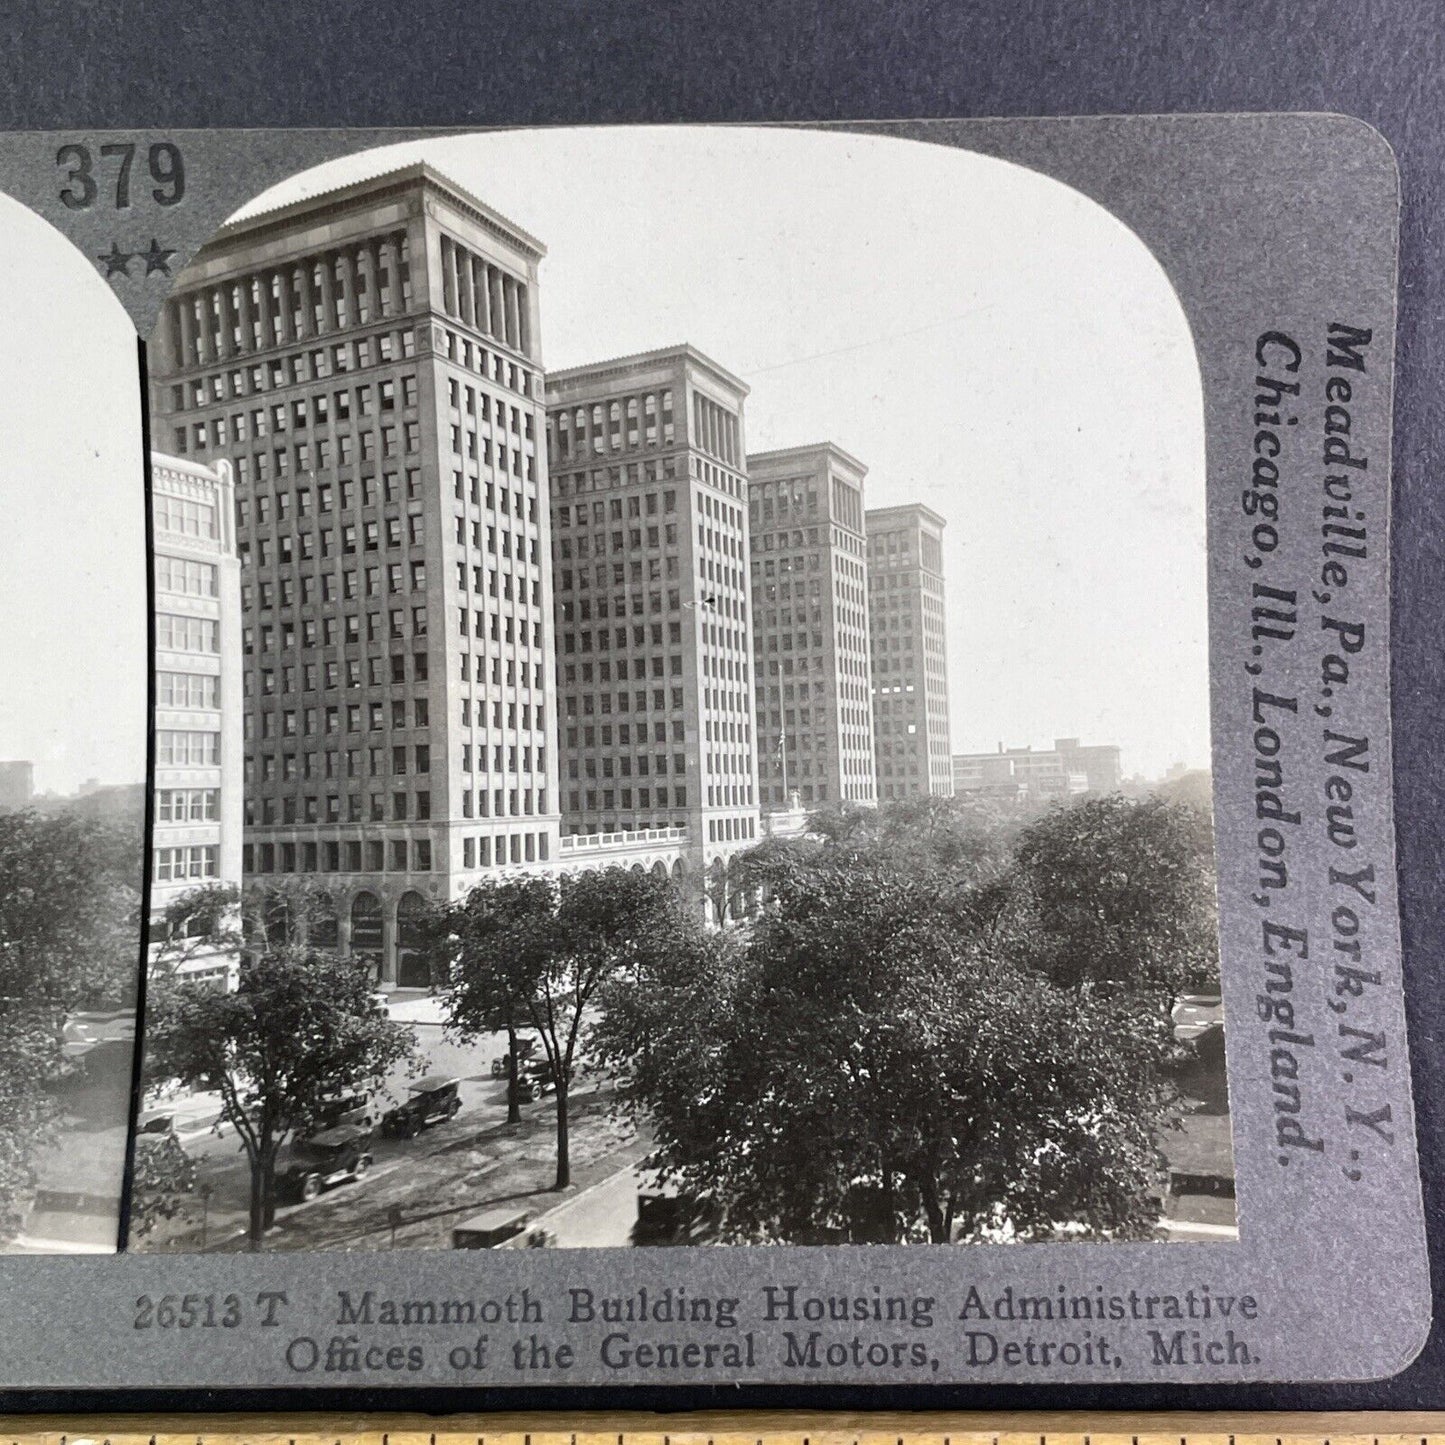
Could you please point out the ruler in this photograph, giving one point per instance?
(741, 1428)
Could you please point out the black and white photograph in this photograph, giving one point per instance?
(680, 711)
(73, 739)
(634, 732)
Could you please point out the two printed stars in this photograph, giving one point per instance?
(156, 257)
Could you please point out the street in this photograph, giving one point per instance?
(417, 1189)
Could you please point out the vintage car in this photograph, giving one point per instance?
(525, 1049)
(534, 1079)
(349, 1106)
(432, 1100)
(490, 1228)
(327, 1158)
(1198, 1021)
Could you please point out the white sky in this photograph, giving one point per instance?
(72, 516)
(987, 341)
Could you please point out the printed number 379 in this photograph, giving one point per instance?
(163, 161)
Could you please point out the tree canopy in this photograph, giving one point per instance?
(300, 1027)
(931, 1031)
(70, 939)
(536, 952)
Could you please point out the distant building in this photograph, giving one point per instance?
(17, 786)
(1099, 763)
(110, 802)
(811, 663)
(650, 569)
(909, 640)
(198, 692)
(1063, 770)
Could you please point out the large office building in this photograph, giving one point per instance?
(907, 623)
(197, 807)
(368, 360)
(811, 657)
(654, 653)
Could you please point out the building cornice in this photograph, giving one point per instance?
(358, 195)
(906, 512)
(811, 451)
(621, 367)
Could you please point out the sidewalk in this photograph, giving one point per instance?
(409, 1006)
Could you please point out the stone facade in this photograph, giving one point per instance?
(197, 781)
(908, 626)
(653, 606)
(369, 361)
(811, 655)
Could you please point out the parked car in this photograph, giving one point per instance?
(1198, 1020)
(490, 1228)
(534, 1079)
(525, 1049)
(350, 1106)
(432, 1100)
(327, 1158)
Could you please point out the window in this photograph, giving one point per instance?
(174, 864)
(179, 748)
(187, 690)
(193, 579)
(187, 805)
(188, 518)
(178, 633)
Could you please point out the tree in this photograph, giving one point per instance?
(907, 1045)
(859, 1070)
(485, 985)
(1122, 892)
(161, 1175)
(543, 949)
(200, 922)
(69, 940)
(300, 1027)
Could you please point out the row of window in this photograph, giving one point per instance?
(184, 516)
(624, 422)
(731, 830)
(608, 766)
(313, 809)
(191, 579)
(487, 851)
(298, 369)
(599, 544)
(179, 633)
(504, 802)
(384, 442)
(187, 748)
(329, 542)
(193, 862)
(606, 799)
(610, 479)
(188, 690)
(301, 413)
(188, 805)
(282, 592)
(327, 630)
(491, 365)
(399, 855)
